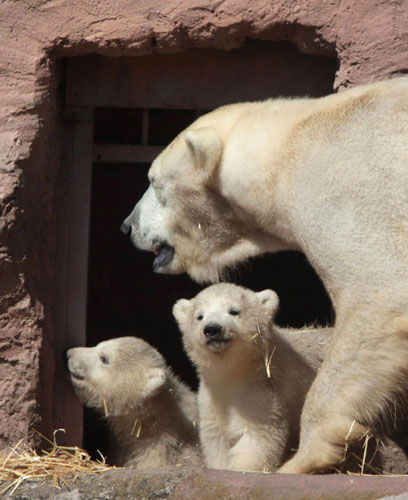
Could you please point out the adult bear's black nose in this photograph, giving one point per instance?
(213, 330)
(125, 227)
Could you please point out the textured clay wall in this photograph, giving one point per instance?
(369, 38)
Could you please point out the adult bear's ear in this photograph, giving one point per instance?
(206, 147)
(181, 310)
(269, 301)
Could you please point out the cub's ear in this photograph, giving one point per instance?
(181, 310)
(206, 147)
(269, 300)
(155, 378)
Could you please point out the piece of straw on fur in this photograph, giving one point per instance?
(58, 465)
(138, 427)
(105, 407)
(268, 360)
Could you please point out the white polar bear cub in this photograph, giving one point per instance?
(254, 376)
(151, 412)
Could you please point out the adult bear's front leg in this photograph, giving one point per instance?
(324, 444)
(359, 388)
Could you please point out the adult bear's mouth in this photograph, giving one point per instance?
(165, 254)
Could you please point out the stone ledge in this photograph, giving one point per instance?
(196, 483)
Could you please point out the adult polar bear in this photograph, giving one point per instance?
(328, 176)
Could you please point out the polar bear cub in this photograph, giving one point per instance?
(151, 412)
(254, 376)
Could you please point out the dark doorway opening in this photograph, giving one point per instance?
(129, 130)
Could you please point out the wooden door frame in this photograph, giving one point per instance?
(73, 269)
(81, 153)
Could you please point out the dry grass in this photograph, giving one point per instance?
(56, 465)
(366, 467)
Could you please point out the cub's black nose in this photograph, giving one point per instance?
(212, 330)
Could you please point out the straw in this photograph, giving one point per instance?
(57, 465)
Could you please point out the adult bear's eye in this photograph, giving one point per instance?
(159, 192)
(104, 360)
(200, 317)
(234, 312)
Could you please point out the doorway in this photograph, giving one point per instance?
(134, 107)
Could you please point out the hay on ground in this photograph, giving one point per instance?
(57, 465)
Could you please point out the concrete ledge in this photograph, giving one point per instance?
(196, 483)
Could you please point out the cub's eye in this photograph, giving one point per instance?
(234, 312)
(104, 360)
(200, 317)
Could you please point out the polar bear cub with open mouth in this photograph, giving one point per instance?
(151, 412)
(254, 376)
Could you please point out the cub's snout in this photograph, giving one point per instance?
(216, 336)
(75, 366)
(213, 331)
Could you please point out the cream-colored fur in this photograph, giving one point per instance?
(254, 376)
(151, 412)
(327, 176)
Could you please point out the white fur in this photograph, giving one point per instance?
(252, 382)
(151, 222)
(327, 176)
(152, 414)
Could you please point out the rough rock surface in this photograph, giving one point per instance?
(207, 484)
(369, 38)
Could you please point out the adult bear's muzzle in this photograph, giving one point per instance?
(125, 227)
